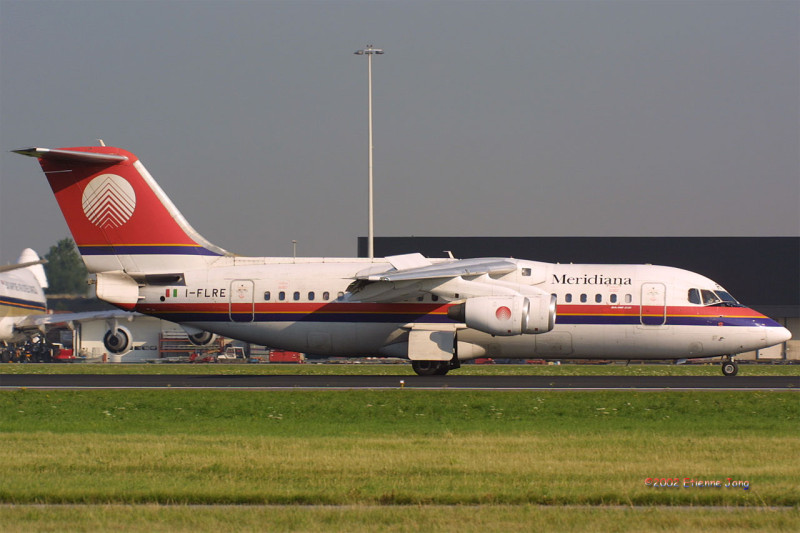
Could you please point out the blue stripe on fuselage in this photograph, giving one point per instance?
(19, 303)
(145, 249)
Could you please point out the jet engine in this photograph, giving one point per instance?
(507, 315)
(7, 331)
(118, 341)
(201, 338)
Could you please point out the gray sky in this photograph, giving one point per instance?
(550, 118)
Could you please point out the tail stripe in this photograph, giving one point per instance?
(146, 249)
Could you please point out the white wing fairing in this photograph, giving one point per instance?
(435, 312)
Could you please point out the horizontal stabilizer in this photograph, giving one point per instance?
(17, 266)
(71, 155)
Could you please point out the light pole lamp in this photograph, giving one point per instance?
(369, 51)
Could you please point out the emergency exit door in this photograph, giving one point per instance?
(654, 304)
(241, 300)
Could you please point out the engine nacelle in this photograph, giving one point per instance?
(202, 338)
(7, 332)
(507, 315)
(119, 341)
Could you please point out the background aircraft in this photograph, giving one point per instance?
(24, 315)
(22, 300)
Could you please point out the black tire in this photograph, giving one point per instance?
(430, 368)
(443, 369)
(730, 368)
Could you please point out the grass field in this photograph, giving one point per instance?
(366, 519)
(401, 369)
(393, 460)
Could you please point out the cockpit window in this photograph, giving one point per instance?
(715, 298)
(727, 299)
(694, 296)
(709, 298)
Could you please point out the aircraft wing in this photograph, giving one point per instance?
(39, 323)
(9, 268)
(459, 267)
(458, 279)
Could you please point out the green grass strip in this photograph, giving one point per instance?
(372, 369)
(368, 519)
(397, 447)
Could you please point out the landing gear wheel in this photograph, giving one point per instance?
(430, 368)
(730, 368)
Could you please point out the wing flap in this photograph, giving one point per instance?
(461, 267)
(452, 280)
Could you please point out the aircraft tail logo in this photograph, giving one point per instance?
(109, 201)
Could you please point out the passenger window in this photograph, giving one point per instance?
(598, 298)
(628, 298)
(526, 271)
(584, 298)
(568, 298)
(296, 295)
(613, 298)
(326, 296)
(340, 295)
(266, 295)
(434, 298)
(311, 296)
(281, 296)
(694, 296)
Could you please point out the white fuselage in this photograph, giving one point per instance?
(21, 295)
(604, 311)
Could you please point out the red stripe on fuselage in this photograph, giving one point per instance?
(297, 307)
(432, 309)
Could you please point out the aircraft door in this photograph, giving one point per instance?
(241, 300)
(654, 304)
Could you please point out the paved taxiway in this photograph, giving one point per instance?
(282, 382)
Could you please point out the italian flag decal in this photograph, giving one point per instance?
(172, 292)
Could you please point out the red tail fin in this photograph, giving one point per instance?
(118, 215)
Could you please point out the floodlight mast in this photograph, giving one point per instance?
(369, 51)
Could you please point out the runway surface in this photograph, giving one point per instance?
(284, 382)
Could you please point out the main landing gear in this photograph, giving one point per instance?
(729, 366)
(434, 368)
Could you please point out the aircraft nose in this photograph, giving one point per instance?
(778, 335)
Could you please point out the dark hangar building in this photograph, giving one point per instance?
(761, 272)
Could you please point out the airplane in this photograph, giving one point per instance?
(435, 312)
(24, 315)
(21, 294)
